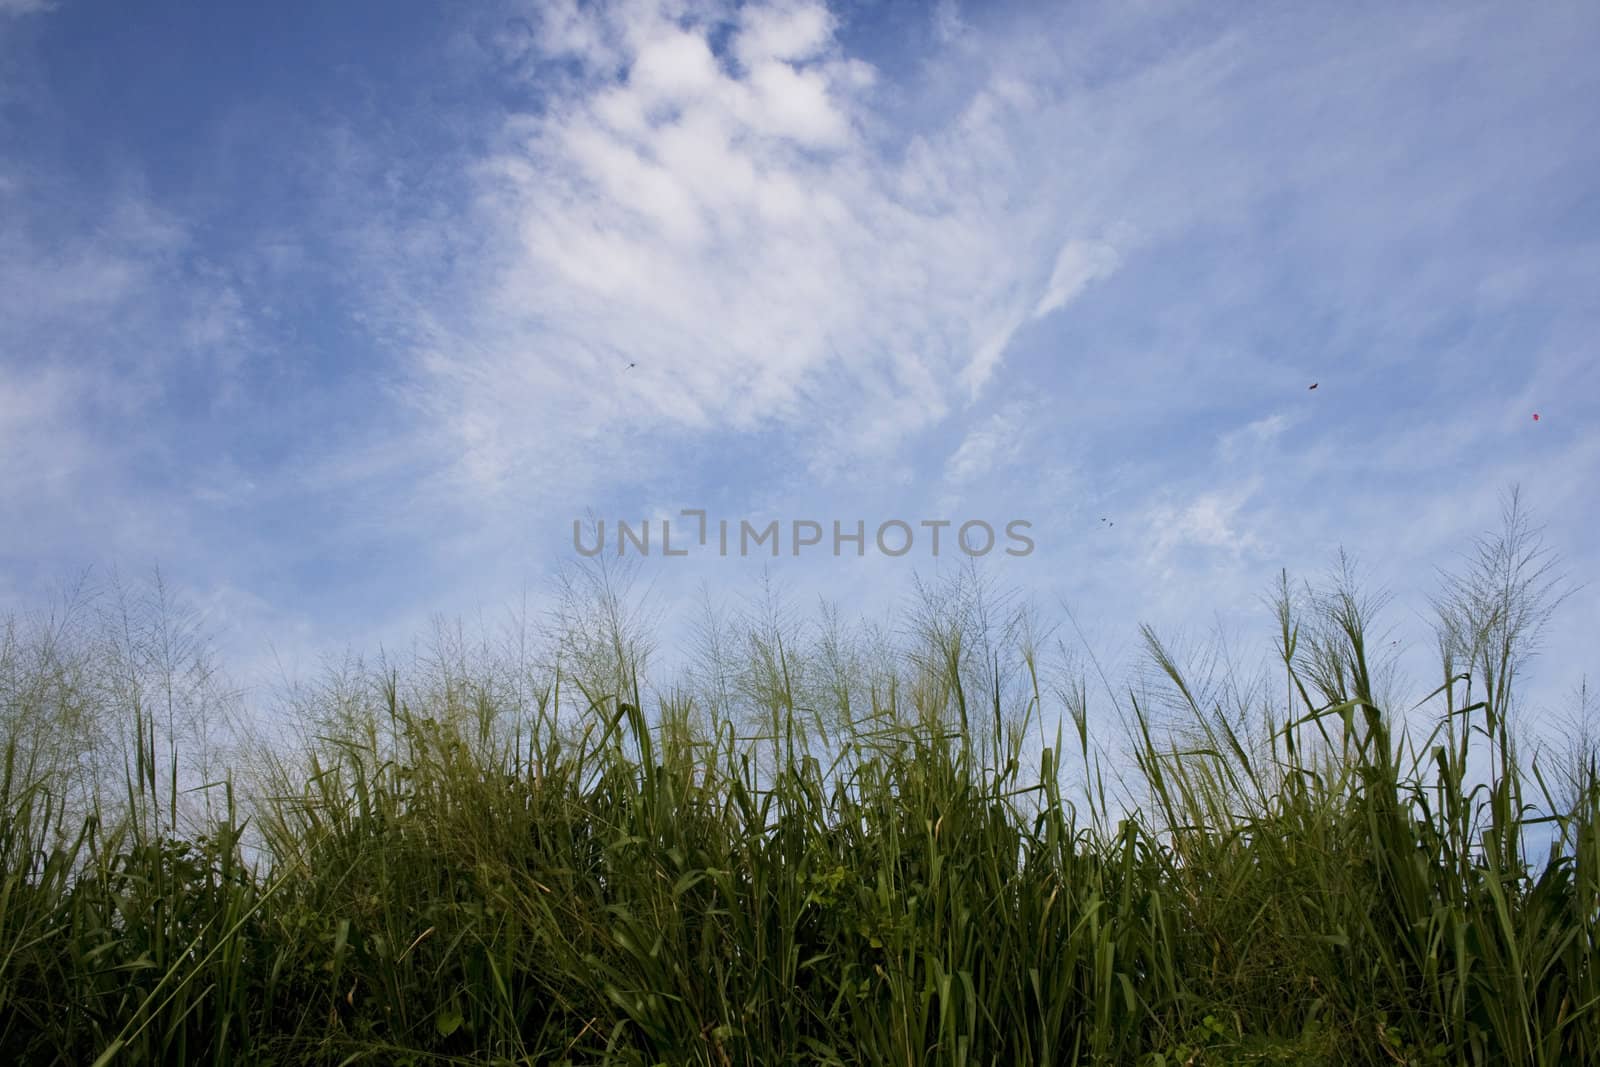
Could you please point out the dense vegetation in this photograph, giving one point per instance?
(826, 846)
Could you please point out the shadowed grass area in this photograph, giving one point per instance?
(850, 860)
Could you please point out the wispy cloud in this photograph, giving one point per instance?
(988, 446)
(115, 350)
(733, 221)
(42, 445)
(24, 7)
(1210, 520)
(1079, 263)
(1255, 438)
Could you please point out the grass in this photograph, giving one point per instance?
(838, 850)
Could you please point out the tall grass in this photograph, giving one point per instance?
(832, 849)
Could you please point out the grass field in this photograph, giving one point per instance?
(847, 849)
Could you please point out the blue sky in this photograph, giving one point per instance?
(327, 309)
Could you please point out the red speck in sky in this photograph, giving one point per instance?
(1535, 416)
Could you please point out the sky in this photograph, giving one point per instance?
(342, 314)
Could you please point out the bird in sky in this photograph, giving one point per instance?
(1313, 385)
(1535, 416)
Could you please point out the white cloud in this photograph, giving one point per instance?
(1249, 440)
(992, 444)
(742, 233)
(790, 32)
(781, 244)
(1209, 520)
(1078, 264)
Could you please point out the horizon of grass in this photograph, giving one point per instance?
(853, 848)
